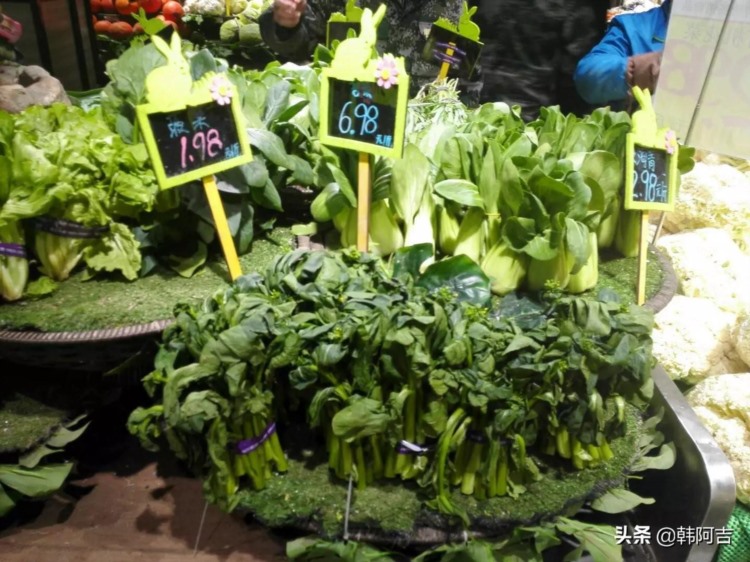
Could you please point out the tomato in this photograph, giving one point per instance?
(106, 6)
(102, 27)
(120, 30)
(172, 10)
(126, 7)
(137, 29)
(95, 6)
(150, 6)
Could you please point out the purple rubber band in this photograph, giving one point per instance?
(69, 229)
(12, 250)
(249, 445)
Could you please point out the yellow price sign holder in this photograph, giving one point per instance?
(651, 155)
(193, 130)
(363, 104)
(455, 46)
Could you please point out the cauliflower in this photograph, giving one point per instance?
(692, 339)
(213, 7)
(723, 405)
(713, 195)
(709, 264)
(741, 337)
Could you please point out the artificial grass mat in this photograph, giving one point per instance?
(621, 274)
(102, 303)
(308, 498)
(25, 422)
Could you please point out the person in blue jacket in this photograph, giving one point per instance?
(629, 54)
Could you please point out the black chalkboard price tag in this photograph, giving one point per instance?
(363, 112)
(360, 115)
(195, 141)
(459, 52)
(650, 177)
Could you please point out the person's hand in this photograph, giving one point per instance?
(643, 70)
(287, 13)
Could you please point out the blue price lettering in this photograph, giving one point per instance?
(365, 113)
(653, 190)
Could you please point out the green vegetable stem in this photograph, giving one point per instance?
(14, 270)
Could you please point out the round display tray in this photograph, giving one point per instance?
(90, 350)
(392, 514)
(99, 325)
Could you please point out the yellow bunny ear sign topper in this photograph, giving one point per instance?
(364, 96)
(455, 46)
(340, 25)
(352, 12)
(193, 130)
(650, 160)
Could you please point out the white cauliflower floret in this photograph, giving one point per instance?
(692, 339)
(741, 337)
(709, 264)
(713, 195)
(213, 7)
(723, 405)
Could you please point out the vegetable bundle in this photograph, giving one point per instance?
(78, 185)
(406, 376)
(531, 203)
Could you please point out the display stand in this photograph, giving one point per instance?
(650, 174)
(363, 103)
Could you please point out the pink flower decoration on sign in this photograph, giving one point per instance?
(221, 90)
(386, 72)
(670, 140)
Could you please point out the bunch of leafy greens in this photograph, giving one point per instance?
(63, 165)
(405, 376)
(66, 164)
(528, 543)
(530, 203)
